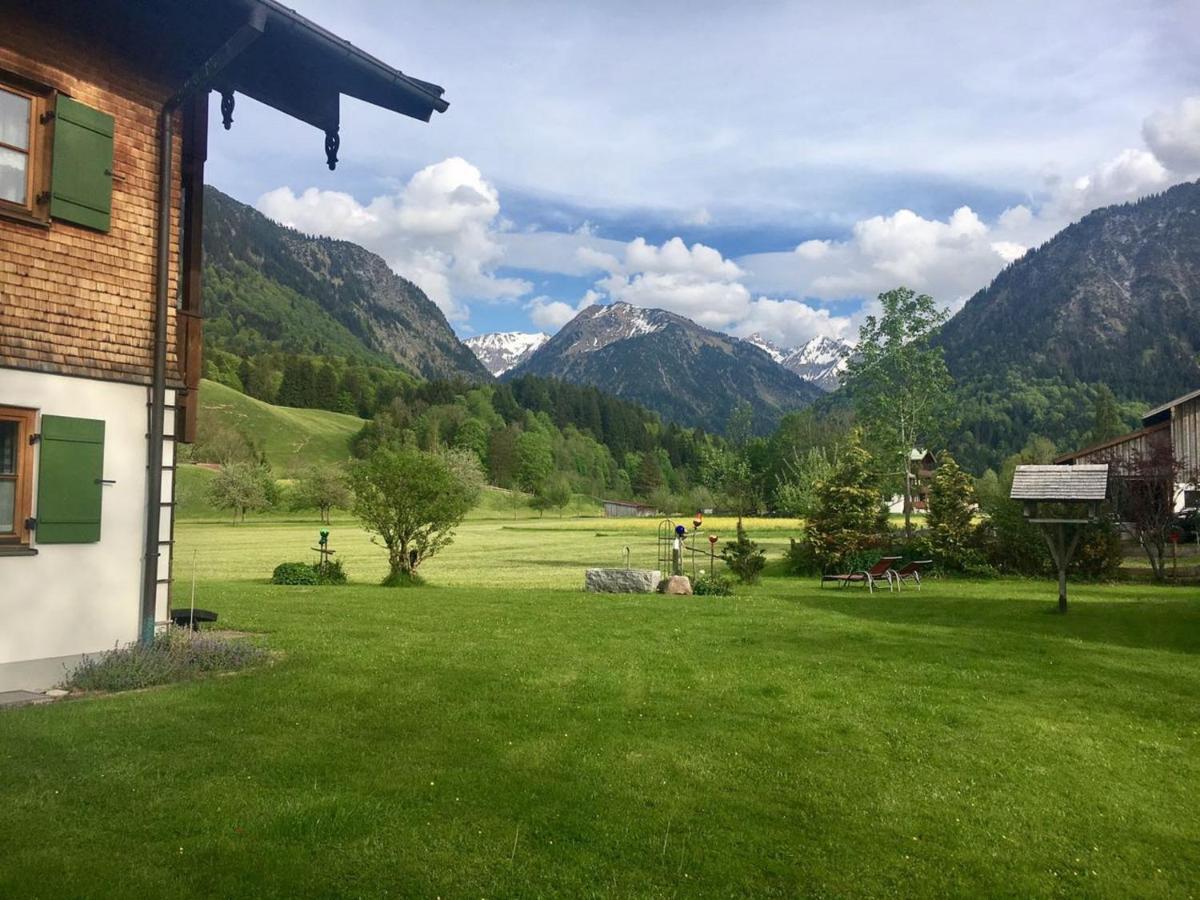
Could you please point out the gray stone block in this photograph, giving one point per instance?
(621, 581)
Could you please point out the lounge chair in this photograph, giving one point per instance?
(881, 571)
(910, 571)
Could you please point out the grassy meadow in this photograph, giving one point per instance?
(500, 733)
(289, 438)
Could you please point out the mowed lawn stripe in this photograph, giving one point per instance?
(474, 741)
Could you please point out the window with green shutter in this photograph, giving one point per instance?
(70, 480)
(81, 173)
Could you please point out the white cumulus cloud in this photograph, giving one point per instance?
(440, 231)
(1173, 136)
(701, 284)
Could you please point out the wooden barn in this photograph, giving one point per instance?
(1172, 428)
(104, 121)
(621, 509)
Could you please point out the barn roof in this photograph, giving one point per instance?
(1158, 412)
(1114, 442)
(1087, 482)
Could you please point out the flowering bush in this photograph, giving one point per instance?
(177, 654)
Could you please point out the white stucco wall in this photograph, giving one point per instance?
(73, 599)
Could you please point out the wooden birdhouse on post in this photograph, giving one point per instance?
(1075, 494)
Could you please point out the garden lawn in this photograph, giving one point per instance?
(499, 733)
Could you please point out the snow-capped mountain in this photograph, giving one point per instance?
(687, 373)
(501, 350)
(820, 361)
(772, 349)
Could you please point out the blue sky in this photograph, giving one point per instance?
(760, 167)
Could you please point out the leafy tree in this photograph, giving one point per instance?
(744, 557)
(465, 466)
(217, 442)
(1144, 496)
(845, 515)
(796, 490)
(1107, 417)
(325, 388)
(553, 493)
(242, 487)
(1013, 545)
(322, 487)
(728, 473)
(649, 476)
(411, 502)
(951, 514)
(298, 386)
(739, 428)
(473, 435)
(535, 459)
(502, 456)
(899, 382)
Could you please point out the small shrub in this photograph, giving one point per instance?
(744, 557)
(802, 558)
(1099, 555)
(331, 573)
(177, 654)
(297, 573)
(713, 585)
(402, 580)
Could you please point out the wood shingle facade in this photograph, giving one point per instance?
(103, 138)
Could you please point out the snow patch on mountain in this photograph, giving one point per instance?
(821, 361)
(772, 349)
(499, 351)
(619, 322)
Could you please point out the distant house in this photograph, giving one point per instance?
(104, 114)
(921, 466)
(618, 509)
(1172, 428)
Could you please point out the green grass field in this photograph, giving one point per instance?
(290, 438)
(499, 733)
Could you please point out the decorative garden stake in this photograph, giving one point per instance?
(677, 550)
(323, 549)
(1063, 486)
(712, 554)
(696, 523)
(666, 537)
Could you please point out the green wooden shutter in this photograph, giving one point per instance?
(81, 177)
(69, 480)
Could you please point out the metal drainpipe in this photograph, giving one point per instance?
(228, 51)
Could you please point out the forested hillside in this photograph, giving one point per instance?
(1107, 311)
(273, 294)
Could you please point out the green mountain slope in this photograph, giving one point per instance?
(290, 439)
(1114, 298)
(273, 288)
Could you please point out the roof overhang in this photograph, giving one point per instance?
(1112, 443)
(1161, 413)
(294, 66)
(1061, 484)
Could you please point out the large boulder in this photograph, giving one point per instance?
(679, 585)
(621, 581)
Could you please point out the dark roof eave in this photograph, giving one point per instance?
(1167, 407)
(1114, 442)
(421, 93)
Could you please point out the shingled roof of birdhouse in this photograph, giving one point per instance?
(1060, 483)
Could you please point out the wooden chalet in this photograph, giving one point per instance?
(1172, 430)
(104, 128)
